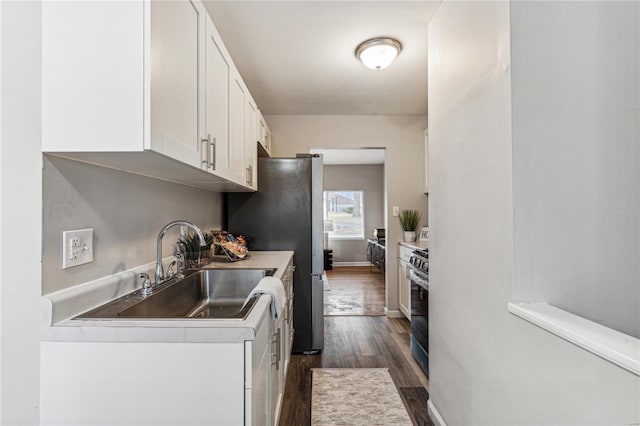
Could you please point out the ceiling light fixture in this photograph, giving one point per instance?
(378, 53)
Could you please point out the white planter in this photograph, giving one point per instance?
(409, 236)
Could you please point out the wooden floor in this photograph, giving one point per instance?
(354, 290)
(358, 342)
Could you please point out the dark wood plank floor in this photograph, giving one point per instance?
(354, 290)
(358, 342)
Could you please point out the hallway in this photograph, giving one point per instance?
(358, 342)
(354, 290)
(357, 335)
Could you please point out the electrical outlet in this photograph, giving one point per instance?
(77, 247)
(396, 211)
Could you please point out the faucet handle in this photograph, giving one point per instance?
(147, 287)
(170, 271)
(179, 265)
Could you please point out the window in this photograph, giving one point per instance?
(344, 214)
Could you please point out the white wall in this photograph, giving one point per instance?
(126, 212)
(576, 156)
(370, 179)
(20, 204)
(1, 203)
(488, 367)
(403, 139)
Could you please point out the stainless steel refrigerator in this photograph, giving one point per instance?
(286, 214)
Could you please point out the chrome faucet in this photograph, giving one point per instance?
(159, 278)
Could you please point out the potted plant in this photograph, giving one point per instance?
(409, 220)
(193, 252)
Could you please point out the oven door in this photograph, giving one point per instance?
(420, 318)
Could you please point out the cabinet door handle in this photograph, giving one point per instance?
(249, 175)
(212, 144)
(279, 348)
(277, 355)
(208, 146)
(246, 176)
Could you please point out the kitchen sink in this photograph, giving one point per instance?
(204, 293)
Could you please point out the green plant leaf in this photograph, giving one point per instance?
(409, 220)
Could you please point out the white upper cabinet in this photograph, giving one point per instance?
(177, 71)
(237, 95)
(251, 138)
(93, 68)
(217, 77)
(267, 139)
(264, 136)
(147, 87)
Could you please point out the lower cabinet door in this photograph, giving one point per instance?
(404, 289)
(260, 371)
(277, 371)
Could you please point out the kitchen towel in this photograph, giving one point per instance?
(273, 287)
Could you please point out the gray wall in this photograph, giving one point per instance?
(367, 178)
(576, 159)
(488, 367)
(126, 212)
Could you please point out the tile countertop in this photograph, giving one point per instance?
(58, 309)
(414, 245)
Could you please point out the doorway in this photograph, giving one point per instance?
(354, 221)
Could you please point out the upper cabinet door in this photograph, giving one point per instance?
(177, 68)
(93, 80)
(251, 141)
(267, 139)
(217, 77)
(237, 95)
(264, 135)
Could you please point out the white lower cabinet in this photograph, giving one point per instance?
(120, 383)
(404, 282)
(281, 341)
(258, 372)
(151, 383)
(166, 383)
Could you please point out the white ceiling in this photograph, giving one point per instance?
(297, 57)
(343, 157)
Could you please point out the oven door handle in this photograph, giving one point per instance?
(418, 279)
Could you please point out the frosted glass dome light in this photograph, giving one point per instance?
(378, 53)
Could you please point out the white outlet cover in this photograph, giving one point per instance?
(396, 210)
(77, 247)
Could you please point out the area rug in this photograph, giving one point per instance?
(356, 396)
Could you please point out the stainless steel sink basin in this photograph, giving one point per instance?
(205, 293)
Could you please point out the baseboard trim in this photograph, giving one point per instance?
(393, 313)
(351, 264)
(435, 416)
